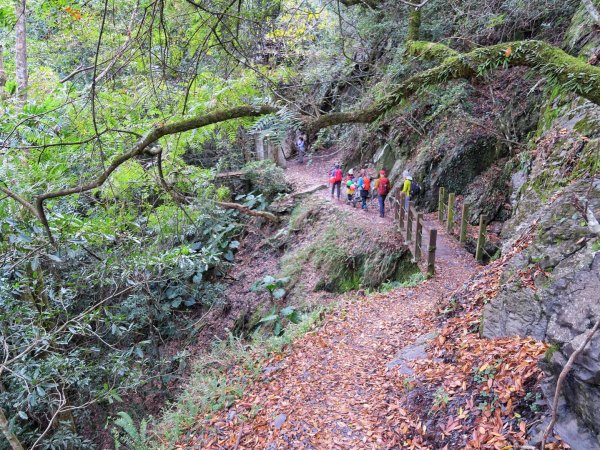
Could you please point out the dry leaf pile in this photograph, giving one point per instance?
(333, 388)
(474, 392)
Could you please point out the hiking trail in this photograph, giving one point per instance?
(335, 389)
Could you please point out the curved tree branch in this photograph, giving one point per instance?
(37, 206)
(157, 132)
(571, 73)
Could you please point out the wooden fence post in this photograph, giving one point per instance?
(401, 206)
(409, 223)
(481, 238)
(431, 256)
(418, 236)
(442, 198)
(450, 212)
(463, 223)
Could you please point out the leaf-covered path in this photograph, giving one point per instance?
(334, 389)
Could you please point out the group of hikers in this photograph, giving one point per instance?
(360, 189)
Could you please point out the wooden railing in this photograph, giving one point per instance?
(446, 215)
(405, 220)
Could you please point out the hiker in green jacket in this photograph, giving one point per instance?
(406, 189)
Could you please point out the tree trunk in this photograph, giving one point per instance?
(414, 24)
(14, 442)
(2, 71)
(21, 49)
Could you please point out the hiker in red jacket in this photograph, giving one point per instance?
(383, 188)
(336, 180)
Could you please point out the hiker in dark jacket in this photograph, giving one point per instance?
(301, 145)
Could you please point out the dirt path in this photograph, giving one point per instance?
(335, 390)
(450, 255)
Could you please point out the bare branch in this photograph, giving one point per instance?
(123, 47)
(561, 379)
(71, 143)
(376, 3)
(251, 212)
(21, 200)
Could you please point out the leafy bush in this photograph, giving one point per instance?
(277, 317)
(274, 286)
(266, 178)
(84, 322)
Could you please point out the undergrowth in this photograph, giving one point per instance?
(219, 378)
(412, 281)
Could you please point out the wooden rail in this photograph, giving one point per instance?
(407, 219)
(446, 209)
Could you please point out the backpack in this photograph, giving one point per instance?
(366, 184)
(384, 186)
(414, 189)
(338, 175)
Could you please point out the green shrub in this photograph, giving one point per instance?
(266, 178)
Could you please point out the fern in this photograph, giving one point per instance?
(276, 126)
(133, 438)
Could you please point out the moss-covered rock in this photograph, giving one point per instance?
(339, 253)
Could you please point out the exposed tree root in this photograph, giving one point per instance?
(251, 212)
(561, 379)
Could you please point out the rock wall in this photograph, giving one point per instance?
(551, 291)
(462, 137)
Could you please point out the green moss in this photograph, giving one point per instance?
(429, 50)
(351, 283)
(560, 173)
(410, 281)
(550, 352)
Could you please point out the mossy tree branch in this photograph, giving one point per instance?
(571, 73)
(141, 146)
